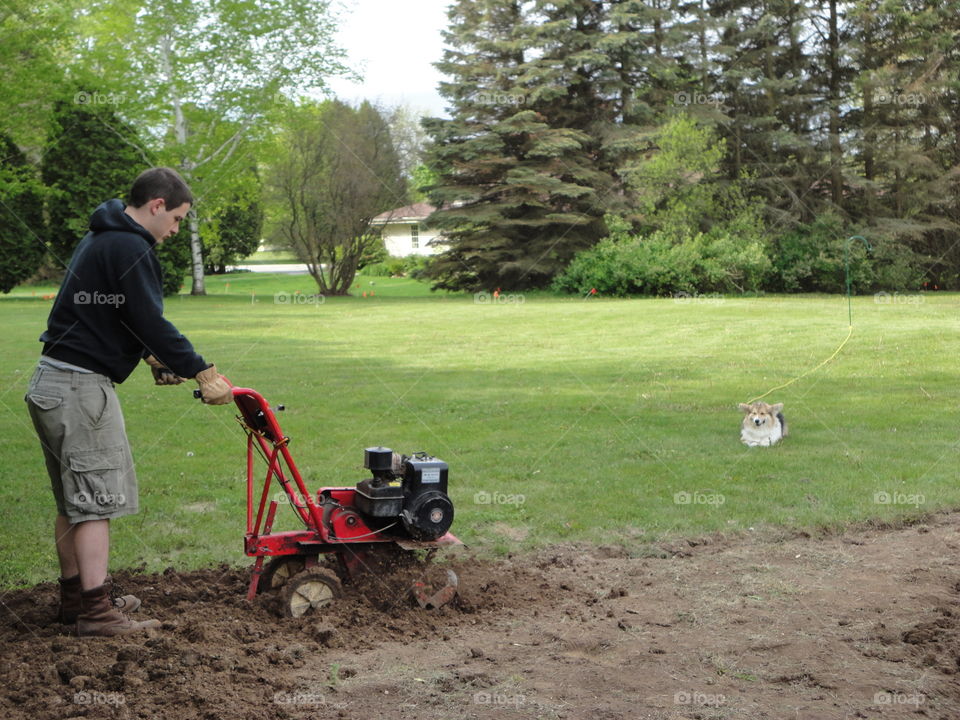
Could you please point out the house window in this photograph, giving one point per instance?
(415, 236)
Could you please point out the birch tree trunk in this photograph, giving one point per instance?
(186, 167)
(196, 254)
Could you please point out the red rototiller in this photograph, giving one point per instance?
(404, 503)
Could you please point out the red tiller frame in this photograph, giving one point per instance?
(332, 524)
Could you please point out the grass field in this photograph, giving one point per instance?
(562, 419)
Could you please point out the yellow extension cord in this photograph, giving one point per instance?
(846, 271)
(800, 377)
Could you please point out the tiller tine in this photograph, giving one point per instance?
(439, 598)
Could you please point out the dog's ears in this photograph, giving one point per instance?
(776, 408)
(744, 407)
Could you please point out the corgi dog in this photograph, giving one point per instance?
(763, 424)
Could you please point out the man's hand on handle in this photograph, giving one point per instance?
(162, 375)
(214, 387)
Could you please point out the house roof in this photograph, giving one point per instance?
(408, 214)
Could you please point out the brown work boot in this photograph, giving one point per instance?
(123, 603)
(99, 617)
(70, 601)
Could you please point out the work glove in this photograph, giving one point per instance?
(162, 375)
(214, 388)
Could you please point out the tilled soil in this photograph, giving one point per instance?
(863, 625)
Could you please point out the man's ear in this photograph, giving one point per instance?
(156, 205)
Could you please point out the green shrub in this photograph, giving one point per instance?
(374, 253)
(809, 258)
(395, 266)
(812, 258)
(175, 261)
(733, 256)
(390, 267)
(896, 266)
(662, 264)
(378, 269)
(415, 266)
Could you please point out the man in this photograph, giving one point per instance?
(107, 316)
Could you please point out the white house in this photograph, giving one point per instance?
(404, 232)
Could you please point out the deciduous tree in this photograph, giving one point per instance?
(333, 168)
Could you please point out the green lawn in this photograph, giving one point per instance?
(562, 419)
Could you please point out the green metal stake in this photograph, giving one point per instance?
(846, 268)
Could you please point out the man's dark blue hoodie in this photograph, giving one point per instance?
(108, 314)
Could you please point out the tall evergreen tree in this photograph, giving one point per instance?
(526, 163)
(90, 156)
(646, 73)
(839, 114)
(765, 84)
(906, 132)
(21, 217)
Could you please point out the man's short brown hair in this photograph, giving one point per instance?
(160, 182)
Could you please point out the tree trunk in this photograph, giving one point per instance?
(186, 167)
(836, 152)
(702, 41)
(898, 174)
(196, 253)
(869, 142)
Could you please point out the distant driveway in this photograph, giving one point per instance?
(285, 268)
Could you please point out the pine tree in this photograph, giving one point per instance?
(90, 156)
(765, 83)
(21, 217)
(644, 41)
(841, 115)
(907, 131)
(524, 172)
(659, 64)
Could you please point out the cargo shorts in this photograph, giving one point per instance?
(78, 419)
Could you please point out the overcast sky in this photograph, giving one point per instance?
(392, 43)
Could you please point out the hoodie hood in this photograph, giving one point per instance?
(111, 216)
